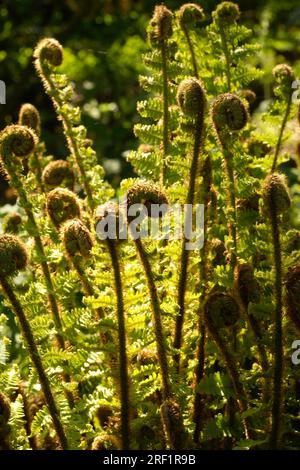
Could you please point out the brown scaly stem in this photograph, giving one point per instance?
(200, 354)
(160, 30)
(78, 243)
(192, 52)
(173, 438)
(229, 114)
(231, 201)
(234, 375)
(227, 57)
(158, 329)
(123, 361)
(189, 16)
(277, 201)
(192, 101)
(278, 341)
(36, 360)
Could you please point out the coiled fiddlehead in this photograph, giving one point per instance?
(58, 173)
(30, 117)
(62, 204)
(11, 223)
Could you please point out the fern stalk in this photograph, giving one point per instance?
(278, 340)
(192, 101)
(123, 361)
(48, 55)
(282, 128)
(203, 268)
(277, 201)
(227, 57)
(158, 329)
(36, 360)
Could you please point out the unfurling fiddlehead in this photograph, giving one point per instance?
(192, 101)
(78, 243)
(225, 15)
(277, 201)
(17, 142)
(190, 15)
(150, 195)
(160, 30)
(58, 173)
(284, 77)
(30, 117)
(14, 258)
(48, 55)
(222, 311)
(229, 113)
(111, 210)
(11, 223)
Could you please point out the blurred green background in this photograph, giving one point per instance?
(103, 41)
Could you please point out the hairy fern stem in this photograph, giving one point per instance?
(277, 403)
(36, 360)
(184, 258)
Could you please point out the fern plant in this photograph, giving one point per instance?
(133, 341)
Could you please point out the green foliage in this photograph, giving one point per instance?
(109, 345)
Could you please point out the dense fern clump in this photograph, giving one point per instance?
(139, 342)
